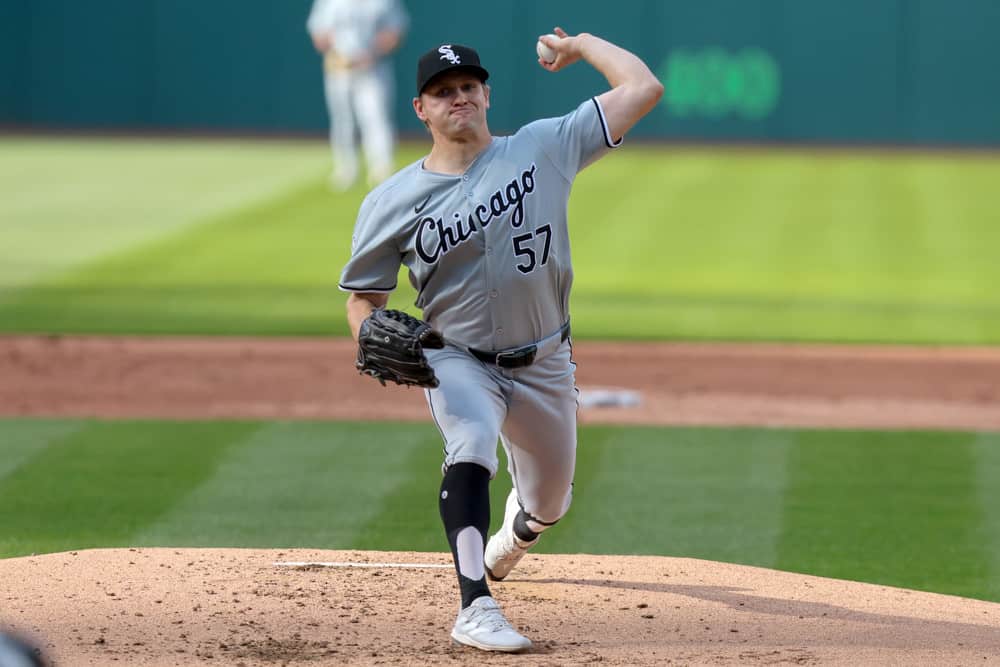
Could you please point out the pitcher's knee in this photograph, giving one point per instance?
(544, 513)
(472, 444)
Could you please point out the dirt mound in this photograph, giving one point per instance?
(148, 607)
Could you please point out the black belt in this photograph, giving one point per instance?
(519, 357)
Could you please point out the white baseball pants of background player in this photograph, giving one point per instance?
(361, 100)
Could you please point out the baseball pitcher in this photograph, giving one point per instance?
(481, 224)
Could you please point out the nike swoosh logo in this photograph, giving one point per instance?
(420, 207)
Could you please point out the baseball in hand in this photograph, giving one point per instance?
(546, 53)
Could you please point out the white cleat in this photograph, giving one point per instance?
(504, 550)
(483, 626)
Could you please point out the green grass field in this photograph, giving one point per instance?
(242, 237)
(230, 237)
(907, 509)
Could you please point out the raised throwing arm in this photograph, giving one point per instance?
(635, 90)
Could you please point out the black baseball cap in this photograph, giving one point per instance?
(445, 58)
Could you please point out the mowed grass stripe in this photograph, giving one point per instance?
(787, 245)
(20, 440)
(301, 484)
(898, 508)
(685, 316)
(97, 486)
(619, 211)
(407, 517)
(917, 510)
(68, 201)
(788, 223)
(267, 268)
(986, 448)
(702, 493)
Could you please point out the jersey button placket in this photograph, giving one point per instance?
(492, 292)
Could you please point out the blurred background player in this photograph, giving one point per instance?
(356, 39)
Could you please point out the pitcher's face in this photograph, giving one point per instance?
(454, 103)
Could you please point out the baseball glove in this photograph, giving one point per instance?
(391, 347)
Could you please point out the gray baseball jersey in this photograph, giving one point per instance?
(489, 255)
(487, 251)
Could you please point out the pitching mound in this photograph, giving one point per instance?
(150, 607)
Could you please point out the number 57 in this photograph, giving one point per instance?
(524, 251)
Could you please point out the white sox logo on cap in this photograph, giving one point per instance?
(445, 57)
(449, 55)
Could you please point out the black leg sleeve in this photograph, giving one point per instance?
(464, 503)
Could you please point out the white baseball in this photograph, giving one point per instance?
(546, 53)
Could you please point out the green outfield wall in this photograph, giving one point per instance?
(887, 71)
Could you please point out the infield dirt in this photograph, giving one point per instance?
(680, 383)
(157, 607)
